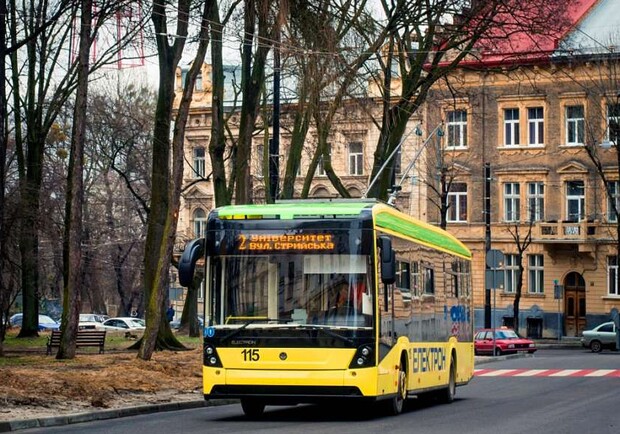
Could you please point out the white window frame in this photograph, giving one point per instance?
(536, 274)
(613, 196)
(536, 126)
(575, 125)
(535, 201)
(511, 273)
(613, 122)
(511, 127)
(512, 202)
(457, 203)
(578, 199)
(356, 158)
(612, 276)
(457, 129)
(199, 222)
(320, 167)
(199, 165)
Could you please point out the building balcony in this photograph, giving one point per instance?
(567, 231)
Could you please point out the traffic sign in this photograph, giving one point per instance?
(495, 258)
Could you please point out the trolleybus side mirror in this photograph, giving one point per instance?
(187, 264)
(388, 260)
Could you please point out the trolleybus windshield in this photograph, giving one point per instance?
(290, 279)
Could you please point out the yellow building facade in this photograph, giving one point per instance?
(532, 125)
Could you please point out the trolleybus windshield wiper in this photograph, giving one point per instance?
(237, 331)
(328, 332)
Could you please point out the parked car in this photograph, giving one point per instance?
(45, 322)
(506, 341)
(90, 321)
(176, 324)
(124, 323)
(601, 336)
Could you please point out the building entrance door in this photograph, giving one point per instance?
(574, 304)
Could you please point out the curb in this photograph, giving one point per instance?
(68, 419)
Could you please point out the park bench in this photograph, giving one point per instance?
(85, 338)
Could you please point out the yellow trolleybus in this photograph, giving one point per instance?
(308, 301)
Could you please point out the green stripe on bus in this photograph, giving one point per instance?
(287, 211)
(425, 235)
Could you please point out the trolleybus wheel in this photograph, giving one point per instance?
(398, 402)
(252, 407)
(450, 391)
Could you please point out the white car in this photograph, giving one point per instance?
(90, 321)
(124, 323)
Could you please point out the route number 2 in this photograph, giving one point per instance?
(250, 355)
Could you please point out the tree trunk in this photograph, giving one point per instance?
(72, 244)
(217, 144)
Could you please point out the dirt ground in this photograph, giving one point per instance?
(39, 386)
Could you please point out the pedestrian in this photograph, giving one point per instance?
(170, 313)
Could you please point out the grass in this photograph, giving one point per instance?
(113, 341)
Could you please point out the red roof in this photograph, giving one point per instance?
(513, 42)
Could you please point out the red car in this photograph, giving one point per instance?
(506, 342)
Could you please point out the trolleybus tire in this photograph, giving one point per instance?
(252, 407)
(397, 403)
(447, 395)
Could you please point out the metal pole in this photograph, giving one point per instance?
(559, 321)
(274, 143)
(487, 239)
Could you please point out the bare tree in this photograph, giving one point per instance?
(72, 246)
(41, 85)
(167, 169)
(522, 242)
(427, 47)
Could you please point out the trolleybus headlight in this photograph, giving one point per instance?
(364, 357)
(210, 356)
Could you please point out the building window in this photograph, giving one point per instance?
(415, 278)
(457, 203)
(457, 129)
(320, 168)
(613, 198)
(511, 127)
(536, 125)
(356, 159)
(613, 122)
(200, 223)
(575, 201)
(536, 274)
(511, 273)
(512, 201)
(260, 167)
(612, 275)
(403, 278)
(398, 160)
(575, 125)
(535, 201)
(199, 162)
(198, 84)
(429, 280)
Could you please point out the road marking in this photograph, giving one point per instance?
(547, 372)
(600, 373)
(497, 372)
(531, 373)
(565, 373)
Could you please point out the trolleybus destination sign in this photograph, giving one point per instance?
(271, 242)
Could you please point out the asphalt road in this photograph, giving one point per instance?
(556, 391)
